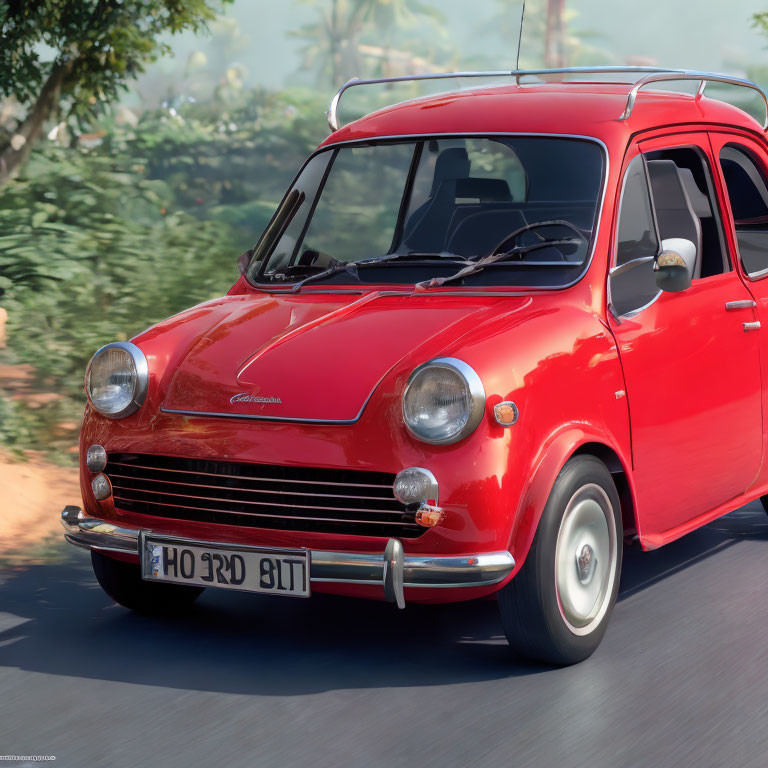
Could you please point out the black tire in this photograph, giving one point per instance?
(532, 613)
(123, 583)
(764, 502)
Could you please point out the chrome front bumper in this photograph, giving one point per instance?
(390, 569)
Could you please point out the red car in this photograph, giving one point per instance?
(487, 337)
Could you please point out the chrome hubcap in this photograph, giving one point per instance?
(585, 564)
(585, 559)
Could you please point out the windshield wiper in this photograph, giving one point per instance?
(486, 261)
(352, 267)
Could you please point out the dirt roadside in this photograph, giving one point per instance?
(32, 494)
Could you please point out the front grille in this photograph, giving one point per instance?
(341, 501)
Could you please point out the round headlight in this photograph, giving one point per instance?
(116, 380)
(444, 401)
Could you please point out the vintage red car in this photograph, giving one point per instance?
(488, 336)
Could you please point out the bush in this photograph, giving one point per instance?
(113, 257)
(97, 244)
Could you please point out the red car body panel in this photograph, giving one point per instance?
(578, 376)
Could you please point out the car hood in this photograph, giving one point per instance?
(310, 356)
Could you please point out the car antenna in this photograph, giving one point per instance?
(520, 37)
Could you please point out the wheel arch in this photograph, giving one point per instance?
(578, 441)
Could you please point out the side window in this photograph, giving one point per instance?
(291, 217)
(685, 205)
(632, 282)
(748, 194)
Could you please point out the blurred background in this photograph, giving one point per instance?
(145, 143)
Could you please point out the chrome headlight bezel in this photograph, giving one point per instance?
(140, 381)
(477, 399)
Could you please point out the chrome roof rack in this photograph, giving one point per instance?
(649, 75)
(687, 74)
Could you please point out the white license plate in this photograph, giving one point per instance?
(249, 569)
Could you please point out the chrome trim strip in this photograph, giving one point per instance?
(418, 571)
(630, 264)
(291, 419)
(254, 503)
(189, 485)
(304, 518)
(687, 74)
(247, 477)
(258, 417)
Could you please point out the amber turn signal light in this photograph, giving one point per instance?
(506, 413)
(428, 515)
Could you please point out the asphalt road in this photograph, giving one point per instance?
(681, 678)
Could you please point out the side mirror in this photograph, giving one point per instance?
(673, 268)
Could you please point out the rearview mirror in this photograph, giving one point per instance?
(673, 268)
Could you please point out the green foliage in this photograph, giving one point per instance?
(51, 427)
(117, 255)
(103, 43)
(228, 162)
(15, 430)
(760, 21)
(148, 223)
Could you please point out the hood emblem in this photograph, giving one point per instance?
(244, 397)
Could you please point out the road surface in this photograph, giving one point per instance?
(681, 678)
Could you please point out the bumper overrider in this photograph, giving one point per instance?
(391, 569)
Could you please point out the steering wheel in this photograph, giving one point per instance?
(510, 239)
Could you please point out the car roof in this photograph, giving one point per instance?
(577, 109)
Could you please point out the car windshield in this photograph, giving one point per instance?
(417, 210)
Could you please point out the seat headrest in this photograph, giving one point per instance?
(667, 185)
(699, 201)
(451, 163)
(484, 190)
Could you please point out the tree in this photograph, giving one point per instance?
(550, 37)
(347, 35)
(70, 58)
(554, 40)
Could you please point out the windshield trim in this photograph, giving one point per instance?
(491, 289)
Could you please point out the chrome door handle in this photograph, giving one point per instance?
(752, 326)
(742, 304)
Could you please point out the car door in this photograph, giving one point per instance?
(690, 359)
(743, 177)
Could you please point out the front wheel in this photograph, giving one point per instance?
(123, 583)
(557, 607)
